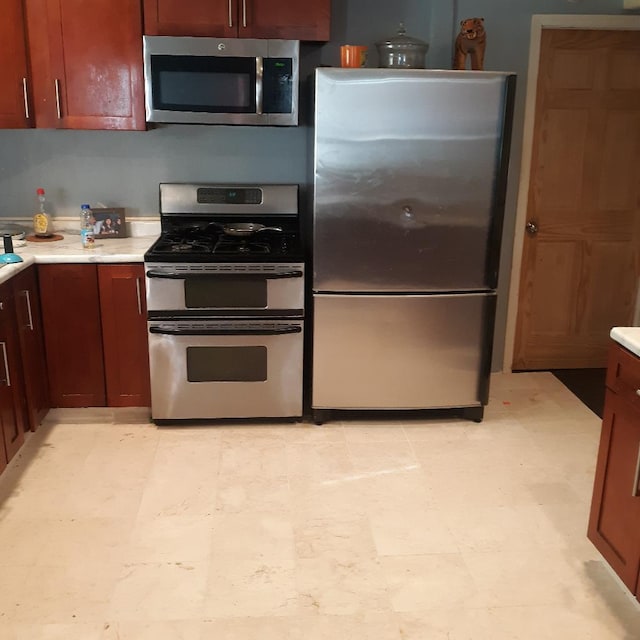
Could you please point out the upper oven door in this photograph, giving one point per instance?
(225, 289)
(220, 81)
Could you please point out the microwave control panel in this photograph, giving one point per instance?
(277, 85)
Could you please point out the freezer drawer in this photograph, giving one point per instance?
(401, 352)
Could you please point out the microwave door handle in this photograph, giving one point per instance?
(295, 273)
(169, 331)
(259, 84)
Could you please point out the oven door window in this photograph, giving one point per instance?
(227, 364)
(204, 84)
(222, 293)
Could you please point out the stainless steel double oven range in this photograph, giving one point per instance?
(225, 298)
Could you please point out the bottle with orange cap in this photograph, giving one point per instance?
(42, 220)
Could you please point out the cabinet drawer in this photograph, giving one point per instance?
(623, 374)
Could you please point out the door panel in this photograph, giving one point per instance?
(13, 67)
(406, 180)
(96, 58)
(615, 510)
(73, 335)
(217, 18)
(285, 19)
(400, 352)
(186, 380)
(581, 269)
(124, 335)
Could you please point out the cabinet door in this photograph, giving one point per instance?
(11, 391)
(614, 523)
(29, 325)
(96, 77)
(14, 106)
(216, 18)
(286, 19)
(124, 335)
(73, 335)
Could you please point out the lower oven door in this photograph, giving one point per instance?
(225, 369)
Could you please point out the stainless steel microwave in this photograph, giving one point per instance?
(221, 80)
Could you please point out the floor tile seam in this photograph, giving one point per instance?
(411, 446)
(390, 586)
(353, 458)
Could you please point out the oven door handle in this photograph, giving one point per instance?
(166, 331)
(230, 276)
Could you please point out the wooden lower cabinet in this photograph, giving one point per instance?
(614, 523)
(12, 405)
(95, 334)
(31, 338)
(124, 335)
(73, 334)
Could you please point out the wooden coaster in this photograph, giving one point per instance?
(51, 238)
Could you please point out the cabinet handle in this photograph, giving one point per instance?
(139, 296)
(230, 14)
(26, 98)
(7, 379)
(244, 13)
(58, 109)
(636, 477)
(638, 392)
(28, 300)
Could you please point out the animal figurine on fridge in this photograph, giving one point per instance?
(471, 41)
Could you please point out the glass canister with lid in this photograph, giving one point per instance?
(402, 51)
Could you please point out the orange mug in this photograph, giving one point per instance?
(352, 55)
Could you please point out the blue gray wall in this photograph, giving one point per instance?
(125, 168)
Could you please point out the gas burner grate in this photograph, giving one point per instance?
(233, 246)
(182, 246)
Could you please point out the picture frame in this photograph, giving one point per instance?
(109, 223)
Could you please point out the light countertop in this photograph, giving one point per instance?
(628, 337)
(69, 250)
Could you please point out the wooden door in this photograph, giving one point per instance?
(215, 18)
(124, 335)
(73, 334)
(29, 325)
(95, 80)
(286, 19)
(581, 256)
(15, 110)
(12, 408)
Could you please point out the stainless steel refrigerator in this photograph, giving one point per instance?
(410, 171)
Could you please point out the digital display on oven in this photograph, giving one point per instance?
(217, 195)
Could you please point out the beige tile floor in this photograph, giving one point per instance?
(113, 529)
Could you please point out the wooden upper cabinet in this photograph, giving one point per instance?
(285, 19)
(15, 110)
(87, 63)
(217, 18)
